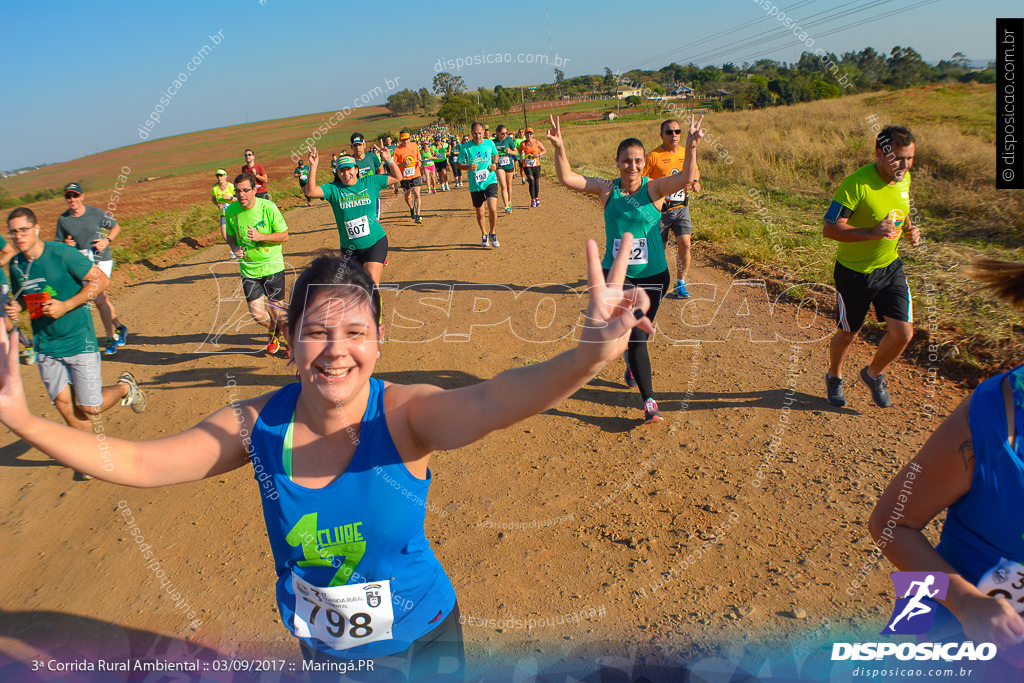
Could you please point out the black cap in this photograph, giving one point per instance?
(357, 139)
(73, 187)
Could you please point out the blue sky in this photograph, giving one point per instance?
(78, 78)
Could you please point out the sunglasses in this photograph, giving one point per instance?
(72, 195)
(672, 131)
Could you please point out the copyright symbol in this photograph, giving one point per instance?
(1007, 174)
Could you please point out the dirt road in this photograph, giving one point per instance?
(578, 511)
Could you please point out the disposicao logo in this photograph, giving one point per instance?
(914, 614)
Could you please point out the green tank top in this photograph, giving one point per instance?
(506, 153)
(637, 215)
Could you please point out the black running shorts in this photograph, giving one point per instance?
(886, 288)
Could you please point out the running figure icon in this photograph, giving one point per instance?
(918, 586)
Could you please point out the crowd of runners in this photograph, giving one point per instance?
(377, 591)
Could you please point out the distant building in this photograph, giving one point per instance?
(624, 91)
(682, 91)
(610, 116)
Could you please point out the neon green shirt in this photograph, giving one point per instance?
(223, 197)
(871, 199)
(260, 258)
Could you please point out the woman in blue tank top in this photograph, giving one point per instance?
(341, 461)
(632, 205)
(973, 468)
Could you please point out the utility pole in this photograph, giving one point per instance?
(522, 102)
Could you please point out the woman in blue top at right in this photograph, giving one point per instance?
(972, 467)
(632, 204)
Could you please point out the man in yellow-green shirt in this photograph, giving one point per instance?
(256, 230)
(868, 214)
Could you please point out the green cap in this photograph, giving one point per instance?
(346, 162)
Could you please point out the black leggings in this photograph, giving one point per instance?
(532, 174)
(456, 171)
(438, 657)
(636, 353)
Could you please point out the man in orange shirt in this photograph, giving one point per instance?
(407, 157)
(675, 213)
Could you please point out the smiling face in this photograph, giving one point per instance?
(76, 202)
(348, 175)
(631, 163)
(336, 344)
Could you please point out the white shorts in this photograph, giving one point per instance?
(106, 266)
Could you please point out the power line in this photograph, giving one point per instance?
(870, 20)
(769, 36)
(715, 35)
(781, 31)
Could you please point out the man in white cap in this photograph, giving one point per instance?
(90, 230)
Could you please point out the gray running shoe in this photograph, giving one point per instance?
(879, 391)
(135, 397)
(834, 386)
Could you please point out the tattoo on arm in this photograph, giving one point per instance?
(967, 453)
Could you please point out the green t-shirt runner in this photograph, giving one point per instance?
(871, 200)
(506, 153)
(261, 258)
(368, 165)
(59, 273)
(481, 155)
(355, 210)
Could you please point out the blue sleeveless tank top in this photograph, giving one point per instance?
(637, 215)
(366, 526)
(987, 523)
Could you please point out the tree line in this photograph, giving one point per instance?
(761, 84)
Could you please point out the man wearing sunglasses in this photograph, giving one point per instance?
(54, 282)
(258, 172)
(256, 230)
(667, 160)
(90, 230)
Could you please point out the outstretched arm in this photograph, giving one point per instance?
(210, 448)
(442, 420)
(567, 176)
(941, 473)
